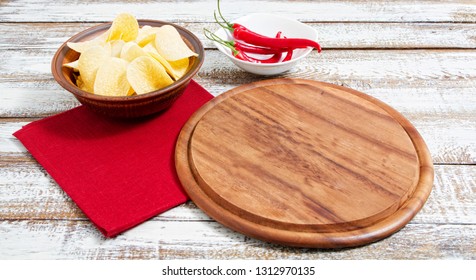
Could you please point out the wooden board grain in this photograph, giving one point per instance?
(304, 163)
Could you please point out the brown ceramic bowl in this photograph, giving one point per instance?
(127, 106)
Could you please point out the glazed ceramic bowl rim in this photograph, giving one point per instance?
(221, 31)
(57, 65)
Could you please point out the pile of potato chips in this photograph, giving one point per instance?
(128, 59)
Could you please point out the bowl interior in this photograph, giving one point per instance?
(269, 25)
(66, 77)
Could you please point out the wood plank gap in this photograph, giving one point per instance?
(19, 119)
(210, 222)
(441, 224)
(382, 48)
(169, 220)
(454, 164)
(400, 49)
(211, 22)
(84, 219)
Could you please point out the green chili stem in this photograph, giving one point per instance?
(213, 37)
(223, 25)
(230, 26)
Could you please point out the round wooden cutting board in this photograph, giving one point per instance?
(304, 163)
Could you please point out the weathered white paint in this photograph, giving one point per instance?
(373, 71)
(9, 144)
(209, 240)
(333, 35)
(374, 68)
(324, 11)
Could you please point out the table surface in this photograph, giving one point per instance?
(417, 56)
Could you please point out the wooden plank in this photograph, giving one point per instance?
(8, 143)
(209, 240)
(324, 11)
(402, 68)
(26, 75)
(28, 192)
(353, 35)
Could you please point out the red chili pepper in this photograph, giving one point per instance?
(289, 55)
(240, 53)
(255, 49)
(242, 45)
(273, 59)
(240, 32)
(243, 56)
(277, 56)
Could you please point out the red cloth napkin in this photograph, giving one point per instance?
(119, 172)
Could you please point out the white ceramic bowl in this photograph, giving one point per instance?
(269, 25)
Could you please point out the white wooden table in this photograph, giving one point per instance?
(417, 56)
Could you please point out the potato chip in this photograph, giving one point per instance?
(88, 63)
(79, 82)
(82, 46)
(146, 35)
(124, 27)
(131, 51)
(175, 69)
(111, 79)
(145, 74)
(131, 90)
(73, 65)
(180, 67)
(170, 44)
(143, 29)
(150, 50)
(125, 60)
(116, 47)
